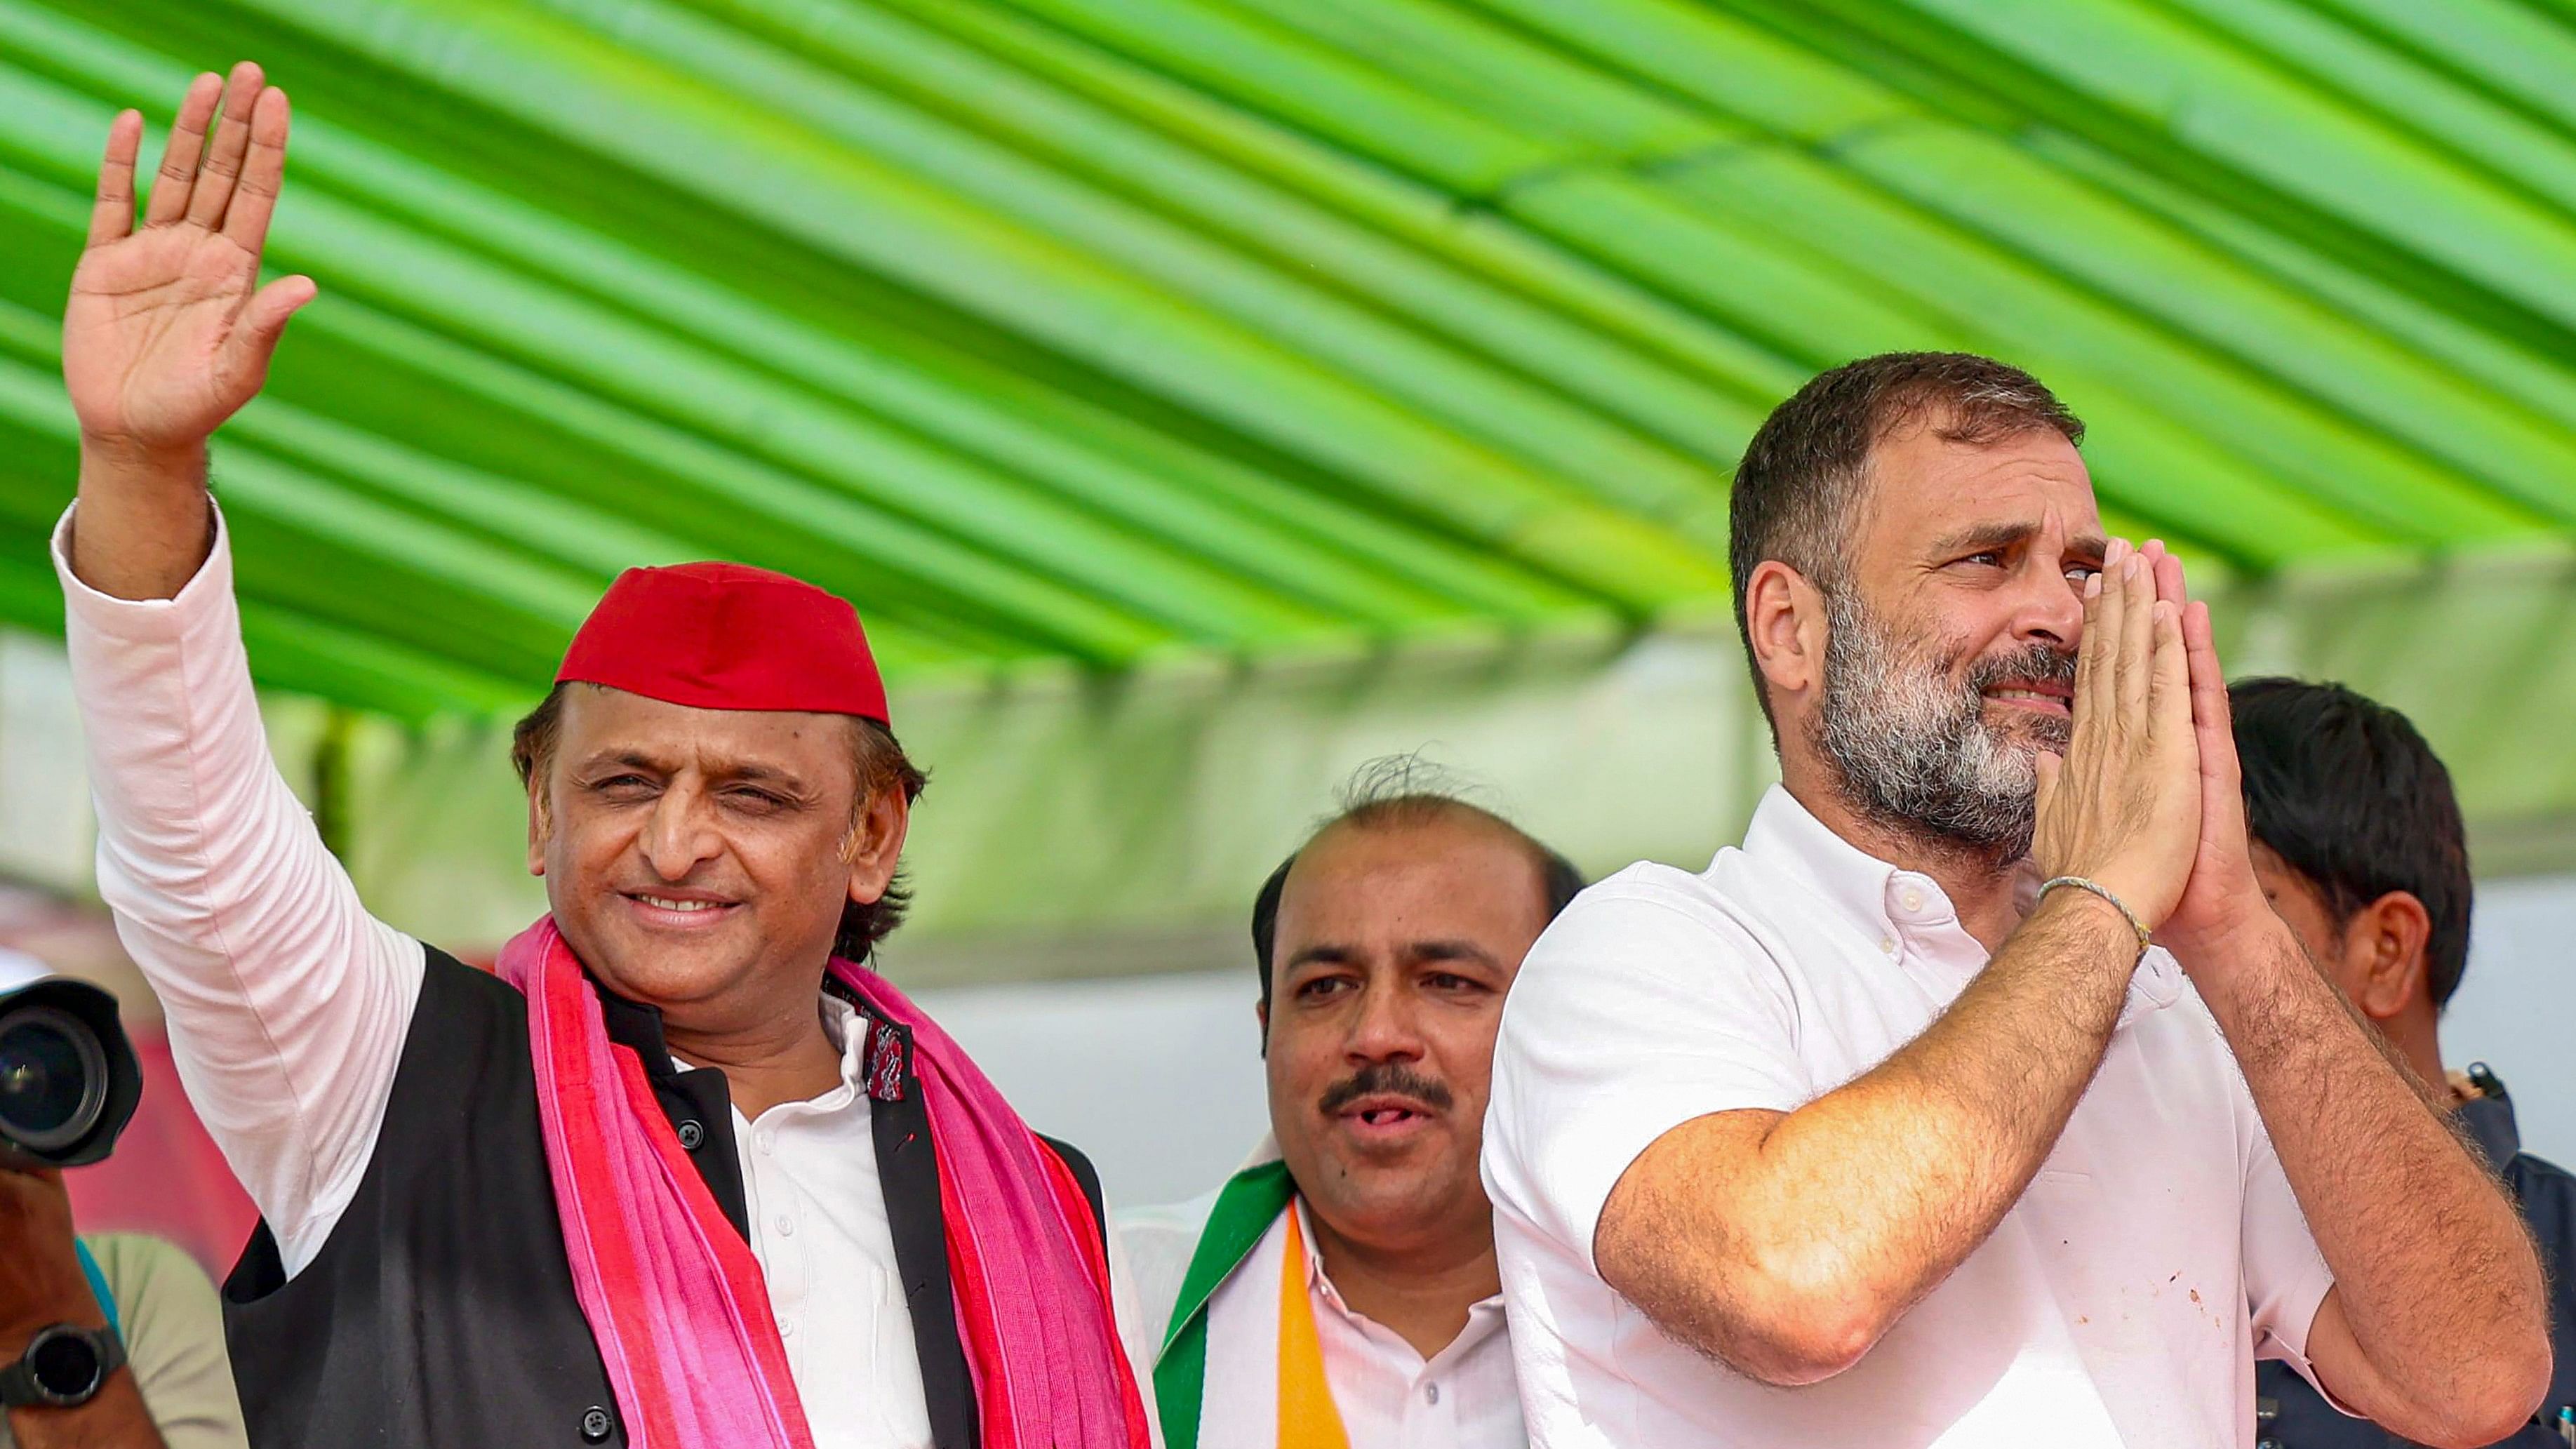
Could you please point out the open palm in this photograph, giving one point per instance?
(167, 332)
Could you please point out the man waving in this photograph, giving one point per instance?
(689, 1174)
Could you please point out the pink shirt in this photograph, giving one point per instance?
(2122, 1301)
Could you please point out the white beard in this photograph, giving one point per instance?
(1912, 743)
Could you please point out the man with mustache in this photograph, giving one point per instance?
(1340, 1292)
(688, 1173)
(1891, 1128)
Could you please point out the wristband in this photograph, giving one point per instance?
(2096, 887)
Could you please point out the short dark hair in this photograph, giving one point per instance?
(882, 766)
(1392, 793)
(2347, 793)
(1800, 481)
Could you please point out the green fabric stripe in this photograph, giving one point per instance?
(1250, 1202)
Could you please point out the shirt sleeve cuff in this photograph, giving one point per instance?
(2301, 1307)
(204, 602)
(1621, 1127)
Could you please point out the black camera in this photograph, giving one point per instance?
(68, 1076)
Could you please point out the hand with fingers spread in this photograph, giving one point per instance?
(2123, 806)
(168, 331)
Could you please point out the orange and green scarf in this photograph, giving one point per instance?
(1251, 1201)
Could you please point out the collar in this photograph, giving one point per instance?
(877, 1058)
(638, 1028)
(1264, 1151)
(2490, 1121)
(1892, 905)
(1883, 901)
(1484, 1316)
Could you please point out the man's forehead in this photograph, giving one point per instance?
(1462, 869)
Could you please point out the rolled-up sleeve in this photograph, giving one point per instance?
(2286, 1278)
(1637, 1011)
(287, 1004)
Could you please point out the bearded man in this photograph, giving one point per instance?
(1340, 1291)
(1892, 1127)
(686, 1173)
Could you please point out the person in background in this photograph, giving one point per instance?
(2360, 847)
(1340, 1292)
(1892, 1128)
(686, 1172)
(136, 1297)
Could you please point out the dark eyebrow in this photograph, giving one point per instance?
(1330, 955)
(742, 773)
(1450, 951)
(631, 759)
(2007, 535)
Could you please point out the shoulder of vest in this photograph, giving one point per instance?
(456, 996)
(1087, 1175)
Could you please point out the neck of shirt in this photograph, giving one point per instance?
(1423, 1298)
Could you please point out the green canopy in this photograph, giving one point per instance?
(1262, 333)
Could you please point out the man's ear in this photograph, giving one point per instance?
(541, 822)
(1784, 620)
(876, 844)
(1261, 1013)
(2387, 937)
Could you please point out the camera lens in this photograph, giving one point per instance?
(53, 1078)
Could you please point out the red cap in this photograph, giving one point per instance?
(728, 636)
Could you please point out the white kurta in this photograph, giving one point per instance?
(2121, 1302)
(287, 1003)
(1389, 1396)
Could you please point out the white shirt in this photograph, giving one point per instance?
(1388, 1395)
(287, 1004)
(2122, 1301)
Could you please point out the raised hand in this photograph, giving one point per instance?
(2223, 894)
(2123, 806)
(168, 332)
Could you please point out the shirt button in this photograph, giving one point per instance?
(1912, 899)
(765, 1139)
(1887, 944)
(786, 1226)
(1431, 1393)
(787, 1328)
(595, 1425)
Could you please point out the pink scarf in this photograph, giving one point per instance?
(676, 1300)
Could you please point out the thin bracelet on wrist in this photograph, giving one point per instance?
(2097, 888)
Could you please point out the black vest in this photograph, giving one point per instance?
(441, 1311)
